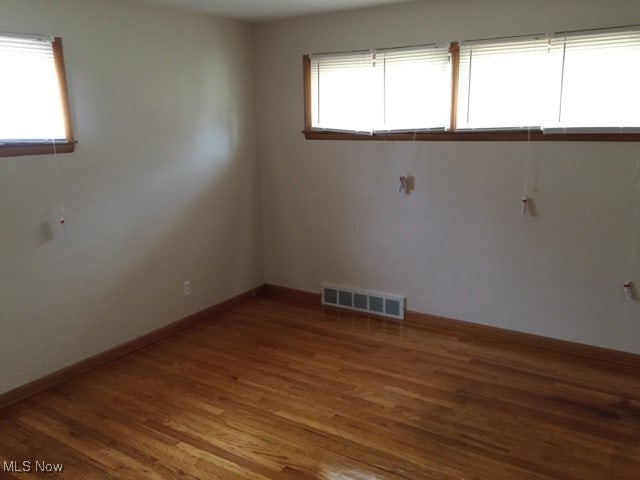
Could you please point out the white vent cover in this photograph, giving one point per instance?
(385, 304)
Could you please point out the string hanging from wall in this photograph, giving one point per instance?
(63, 221)
(635, 236)
(406, 178)
(525, 202)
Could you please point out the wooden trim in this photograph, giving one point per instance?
(478, 136)
(291, 295)
(114, 353)
(306, 71)
(460, 327)
(62, 82)
(454, 50)
(452, 326)
(21, 149)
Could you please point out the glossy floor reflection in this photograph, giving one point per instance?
(282, 391)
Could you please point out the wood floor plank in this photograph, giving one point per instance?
(278, 390)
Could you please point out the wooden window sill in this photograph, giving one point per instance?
(479, 136)
(21, 149)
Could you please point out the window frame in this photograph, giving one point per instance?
(16, 149)
(501, 135)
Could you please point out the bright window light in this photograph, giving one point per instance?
(581, 83)
(567, 81)
(383, 90)
(600, 79)
(344, 91)
(417, 88)
(30, 95)
(508, 84)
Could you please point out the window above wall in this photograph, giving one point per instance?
(34, 113)
(381, 90)
(566, 86)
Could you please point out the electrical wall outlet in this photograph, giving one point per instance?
(186, 288)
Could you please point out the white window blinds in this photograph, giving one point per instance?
(343, 91)
(600, 79)
(559, 82)
(510, 83)
(417, 88)
(30, 96)
(393, 89)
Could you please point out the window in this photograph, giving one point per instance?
(34, 117)
(383, 90)
(554, 82)
(581, 85)
(600, 79)
(508, 84)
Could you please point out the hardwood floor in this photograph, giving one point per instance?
(282, 391)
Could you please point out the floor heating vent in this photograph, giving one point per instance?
(385, 304)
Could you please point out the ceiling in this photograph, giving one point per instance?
(261, 10)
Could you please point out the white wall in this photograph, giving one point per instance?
(457, 245)
(163, 186)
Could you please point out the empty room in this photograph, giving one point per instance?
(320, 239)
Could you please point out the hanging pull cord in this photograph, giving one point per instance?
(63, 224)
(633, 260)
